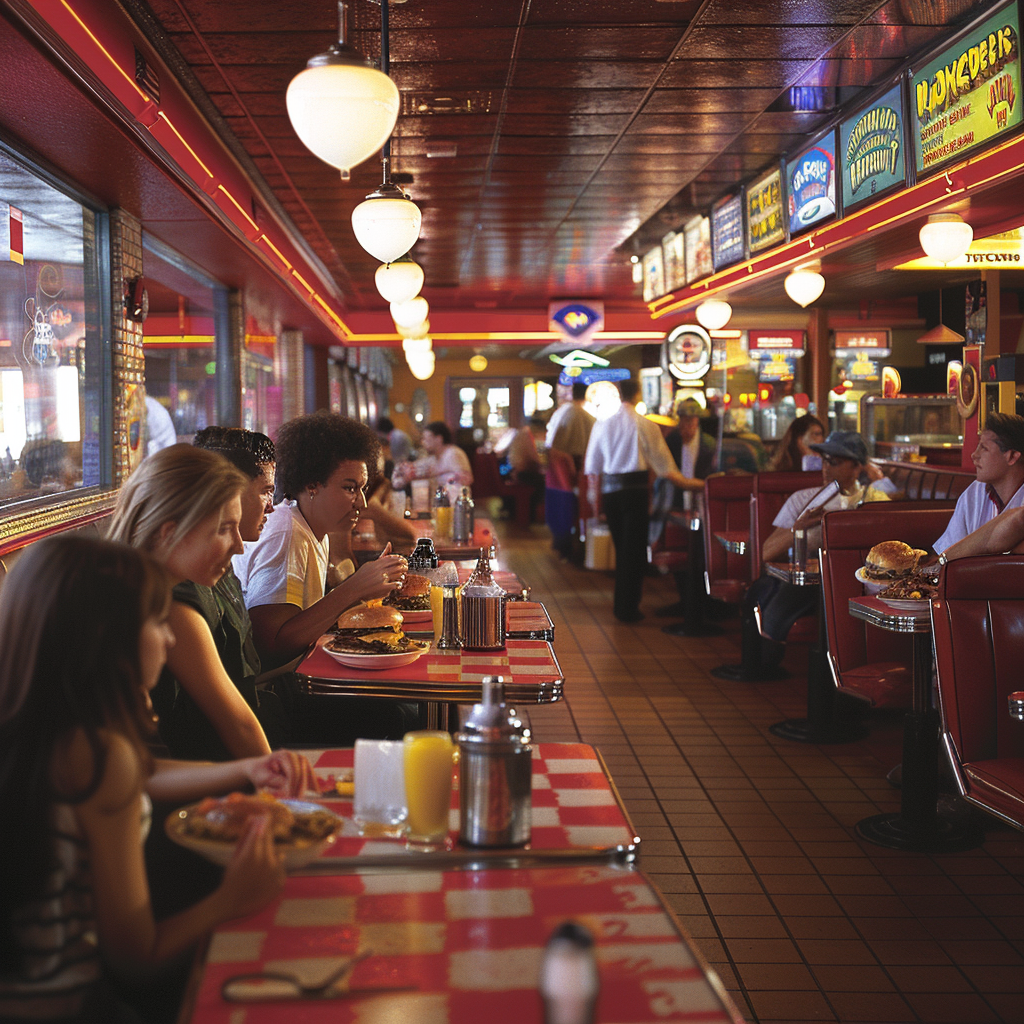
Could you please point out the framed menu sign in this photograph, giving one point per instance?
(766, 225)
(672, 258)
(811, 184)
(727, 231)
(698, 248)
(654, 274)
(871, 145)
(969, 95)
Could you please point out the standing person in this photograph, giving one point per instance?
(445, 464)
(183, 506)
(83, 636)
(999, 467)
(795, 445)
(567, 437)
(398, 440)
(624, 449)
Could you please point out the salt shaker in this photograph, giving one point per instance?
(569, 979)
(462, 518)
(495, 765)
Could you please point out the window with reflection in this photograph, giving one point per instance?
(54, 428)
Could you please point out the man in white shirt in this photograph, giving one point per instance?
(624, 449)
(999, 467)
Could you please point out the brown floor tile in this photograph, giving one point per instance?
(836, 951)
(777, 977)
(790, 1006)
(762, 951)
(929, 979)
(868, 1007)
(821, 928)
(749, 904)
(952, 1008)
(992, 979)
(756, 926)
(862, 978)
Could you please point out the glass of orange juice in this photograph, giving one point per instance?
(437, 607)
(428, 787)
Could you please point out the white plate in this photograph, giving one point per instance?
(418, 617)
(906, 604)
(869, 585)
(295, 855)
(379, 661)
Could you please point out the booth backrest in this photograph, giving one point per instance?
(847, 536)
(925, 483)
(770, 493)
(726, 508)
(978, 620)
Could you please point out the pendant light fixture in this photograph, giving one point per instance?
(804, 283)
(387, 222)
(411, 313)
(413, 333)
(399, 281)
(422, 367)
(946, 237)
(413, 347)
(713, 314)
(342, 108)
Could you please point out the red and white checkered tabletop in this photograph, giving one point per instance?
(468, 943)
(574, 807)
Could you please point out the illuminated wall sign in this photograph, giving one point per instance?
(576, 321)
(672, 246)
(698, 248)
(1005, 249)
(873, 344)
(584, 360)
(727, 231)
(762, 344)
(654, 274)
(969, 95)
(777, 368)
(871, 150)
(811, 184)
(766, 223)
(687, 352)
(863, 369)
(575, 374)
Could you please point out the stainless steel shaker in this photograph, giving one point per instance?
(463, 518)
(495, 764)
(482, 626)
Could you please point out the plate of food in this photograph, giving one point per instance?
(886, 563)
(371, 637)
(910, 593)
(301, 829)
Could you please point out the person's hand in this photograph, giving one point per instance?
(379, 577)
(283, 773)
(872, 471)
(812, 517)
(255, 875)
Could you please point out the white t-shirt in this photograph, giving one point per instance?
(974, 508)
(287, 565)
(802, 501)
(626, 442)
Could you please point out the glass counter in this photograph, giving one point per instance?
(912, 428)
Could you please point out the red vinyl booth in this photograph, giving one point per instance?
(871, 664)
(979, 648)
(726, 510)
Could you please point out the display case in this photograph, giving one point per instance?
(912, 428)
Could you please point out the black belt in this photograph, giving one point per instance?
(624, 481)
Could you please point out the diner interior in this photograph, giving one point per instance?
(588, 178)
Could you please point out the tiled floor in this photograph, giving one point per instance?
(751, 837)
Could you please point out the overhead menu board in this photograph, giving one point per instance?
(811, 184)
(672, 258)
(766, 224)
(698, 248)
(727, 231)
(654, 274)
(969, 95)
(871, 150)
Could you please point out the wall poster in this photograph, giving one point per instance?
(654, 274)
(672, 259)
(727, 231)
(766, 225)
(871, 150)
(698, 248)
(811, 184)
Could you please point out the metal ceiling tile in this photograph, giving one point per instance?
(708, 101)
(585, 74)
(732, 74)
(777, 41)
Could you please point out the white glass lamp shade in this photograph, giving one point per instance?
(386, 228)
(343, 113)
(946, 237)
(805, 284)
(422, 367)
(411, 313)
(415, 333)
(413, 347)
(399, 281)
(714, 314)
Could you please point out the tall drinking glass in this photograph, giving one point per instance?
(428, 787)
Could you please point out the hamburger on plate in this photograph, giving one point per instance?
(371, 629)
(891, 560)
(412, 596)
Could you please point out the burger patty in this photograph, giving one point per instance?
(408, 604)
(364, 645)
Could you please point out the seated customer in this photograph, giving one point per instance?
(183, 506)
(843, 457)
(796, 443)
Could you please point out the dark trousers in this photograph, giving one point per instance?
(781, 605)
(628, 522)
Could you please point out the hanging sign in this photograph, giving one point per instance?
(762, 344)
(766, 223)
(850, 344)
(698, 248)
(672, 246)
(577, 322)
(969, 95)
(811, 184)
(727, 231)
(687, 352)
(871, 150)
(654, 274)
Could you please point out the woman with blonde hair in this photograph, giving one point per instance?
(183, 507)
(83, 637)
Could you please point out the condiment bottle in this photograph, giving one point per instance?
(569, 980)
(442, 514)
(483, 610)
(423, 556)
(495, 772)
(462, 518)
